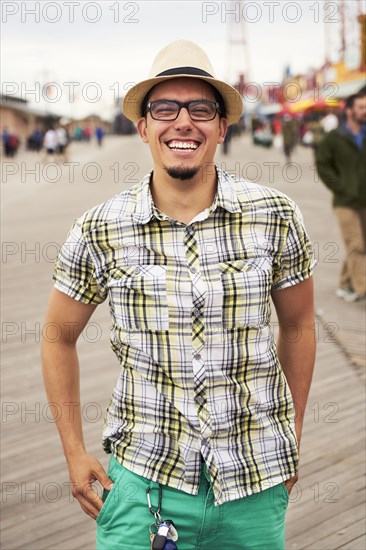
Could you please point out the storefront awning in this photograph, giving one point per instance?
(345, 89)
(311, 105)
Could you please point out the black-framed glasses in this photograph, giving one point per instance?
(167, 110)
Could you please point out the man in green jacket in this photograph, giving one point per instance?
(341, 164)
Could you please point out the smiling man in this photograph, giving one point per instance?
(183, 136)
(201, 425)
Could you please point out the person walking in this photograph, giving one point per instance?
(340, 162)
(99, 135)
(50, 143)
(62, 142)
(35, 141)
(5, 135)
(317, 134)
(12, 145)
(201, 423)
(289, 136)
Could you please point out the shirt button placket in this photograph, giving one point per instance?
(198, 329)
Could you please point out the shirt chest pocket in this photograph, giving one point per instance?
(138, 297)
(246, 287)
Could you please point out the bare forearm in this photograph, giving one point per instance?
(296, 352)
(62, 380)
(61, 375)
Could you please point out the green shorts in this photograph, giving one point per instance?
(251, 523)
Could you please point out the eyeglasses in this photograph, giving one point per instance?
(167, 110)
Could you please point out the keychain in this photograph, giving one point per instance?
(166, 534)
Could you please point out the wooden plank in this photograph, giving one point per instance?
(350, 533)
(334, 524)
(320, 500)
(331, 452)
(355, 544)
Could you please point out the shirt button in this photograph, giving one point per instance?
(193, 270)
(196, 311)
(197, 356)
(137, 270)
(199, 400)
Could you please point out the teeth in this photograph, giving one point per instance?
(182, 145)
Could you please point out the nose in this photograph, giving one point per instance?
(183, 121)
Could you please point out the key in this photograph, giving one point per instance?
(152, 534)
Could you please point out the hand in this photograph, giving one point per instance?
(84, 471)
(289, 483)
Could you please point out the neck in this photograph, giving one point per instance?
(182, 200)
(354, 126)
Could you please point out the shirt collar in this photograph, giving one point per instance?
(361, 133)
(145, 208)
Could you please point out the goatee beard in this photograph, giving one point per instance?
(181, 173)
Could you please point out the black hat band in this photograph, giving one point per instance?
(185, 70)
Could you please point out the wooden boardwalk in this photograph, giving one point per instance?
(327, 507)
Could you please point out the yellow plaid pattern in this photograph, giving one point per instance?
(190, 305)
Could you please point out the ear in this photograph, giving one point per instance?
(141, 128)
(222, 130)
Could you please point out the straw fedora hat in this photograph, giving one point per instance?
(177, 59)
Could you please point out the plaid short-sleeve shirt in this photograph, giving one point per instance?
(190, 305)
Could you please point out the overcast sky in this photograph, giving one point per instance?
(102, 47)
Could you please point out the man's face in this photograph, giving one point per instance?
(164, 137)
(358, 112)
